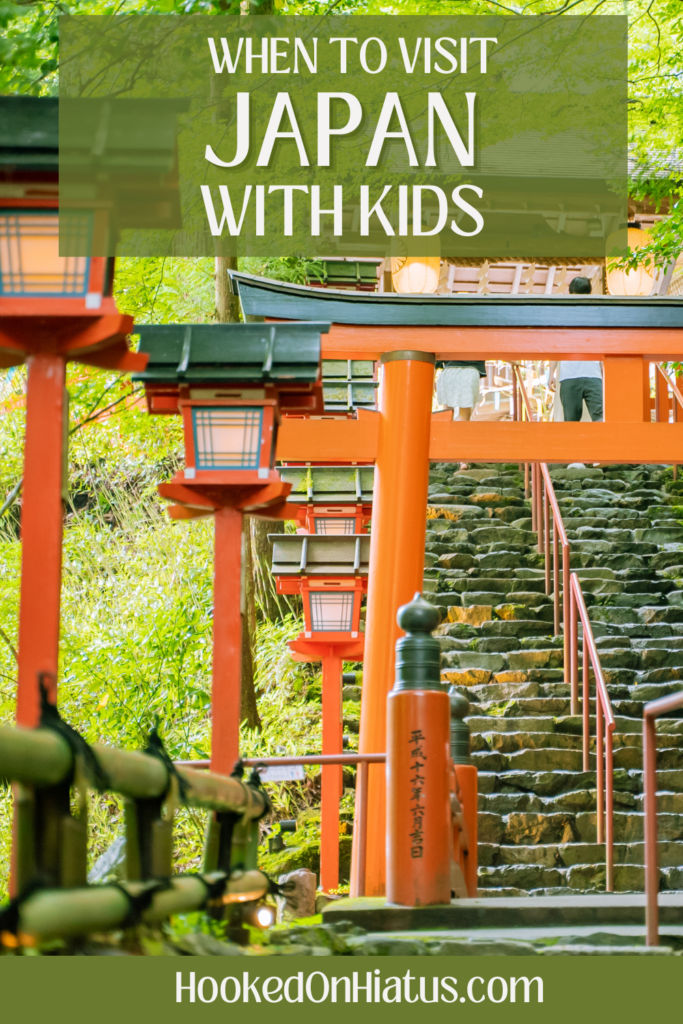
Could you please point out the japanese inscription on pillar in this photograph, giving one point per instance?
(418, 759)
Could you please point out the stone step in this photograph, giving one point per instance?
(623, 724)
(581, 877)
(537, 806)
(531, 827)
(568, 854)
(556, 782)
(508, 742)
(524, 706)
(490, 723)
(503, 753)
(573, 801)
(573, 911)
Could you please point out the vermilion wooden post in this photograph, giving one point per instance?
(41, 531)
(419, 837)
(331, 774)
(627, 389)
(468, 784)
(661, 398)
(332, 654)
(226, 687)
(396, 565)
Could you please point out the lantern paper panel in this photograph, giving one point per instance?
(30, 263)
(227, 438)
(337, 525)
(331, 612)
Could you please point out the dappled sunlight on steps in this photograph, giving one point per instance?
(537, 806)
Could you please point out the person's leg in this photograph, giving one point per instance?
(444, 390)
(592, 394)
(468, 392)
(571, 393)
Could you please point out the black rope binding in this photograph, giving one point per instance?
(214, 889)
(255, 782)
(140, 902)
(9, 914)
(50, 718)
(155, 748)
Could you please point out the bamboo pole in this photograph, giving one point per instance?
(68, 913)
(39, 757)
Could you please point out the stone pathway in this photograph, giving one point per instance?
(537, 822)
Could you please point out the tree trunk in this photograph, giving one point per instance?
(273, 606)
(226, 313)
(227, 305)
(265, 7)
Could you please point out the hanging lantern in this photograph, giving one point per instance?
(415, 275)
(630, 282)
(30, 263)
(332, 606)
(331, 499)
(230, 433)
(230, 382)
(331, 574)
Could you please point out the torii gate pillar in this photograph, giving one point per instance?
(396, 565)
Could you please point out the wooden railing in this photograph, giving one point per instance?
(553, 527)
(604, 719)
(53, 899)
(651, 712)
(677, 405)
(362, 760)
(546, 520)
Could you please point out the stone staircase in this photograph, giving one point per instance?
(537, 811)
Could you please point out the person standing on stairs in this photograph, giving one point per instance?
(580, 380)
(457, 387)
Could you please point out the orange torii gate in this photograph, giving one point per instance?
(407, 334)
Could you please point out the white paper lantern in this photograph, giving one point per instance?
(630, 282)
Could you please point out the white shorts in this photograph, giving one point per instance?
(458, 387)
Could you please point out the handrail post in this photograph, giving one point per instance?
(573, 653)
(609, 810)
(539, 506)
(546, 533)
(672, 702)
(651, 851)
(556, 578)
(600, 768)
(587, 706)
(362, 791)
(566, 623)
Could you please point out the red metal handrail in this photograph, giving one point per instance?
(603, 709)
(677, 401)
(362, 760)
(674, 389)
(555, 525)
(651, 712)
(543, 503)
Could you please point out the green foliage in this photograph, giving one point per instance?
(137, 587)
(29, 64)
(284, 268)
(159, 290)
(29, 34)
